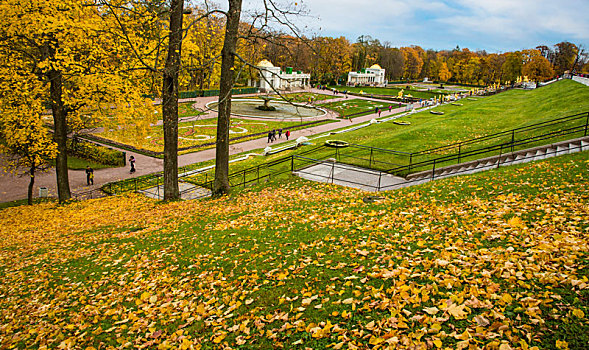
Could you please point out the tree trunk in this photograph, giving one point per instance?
(60, 135)
(221, 184)
(170, 102)
(31, 185)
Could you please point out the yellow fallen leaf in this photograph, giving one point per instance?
(375, 340)
(431, 310)
(507, 298)
(219, 338)
(457, 311)
(579, 313)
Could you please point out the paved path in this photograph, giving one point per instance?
(14, 187)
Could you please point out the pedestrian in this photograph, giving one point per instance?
(89, 175)
(287, 134)
(390, 108)
(375, 110)
(379, 112)
(273, 135)
(280, 133)
(132, 162)
(269, 136)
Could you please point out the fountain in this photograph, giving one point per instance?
(265, 106)
(260, 108)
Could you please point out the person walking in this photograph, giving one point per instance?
(287, 134)
(132, 162)
(89, 175)
(269, 136)
(280, 133)
(390, 108)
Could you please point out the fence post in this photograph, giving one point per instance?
(586, 123)
(410, 161)
(434, 170)
(512, 139)
(291, 165)
(370, 161)
(379, 179)
(459, 151)
(244, 179)
(258, 180)
(332, 170)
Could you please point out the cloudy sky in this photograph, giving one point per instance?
(491, 25)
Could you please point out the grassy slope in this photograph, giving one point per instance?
(497, 258)
(485, 116)
(504, 111)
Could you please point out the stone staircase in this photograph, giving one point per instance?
(512, 158)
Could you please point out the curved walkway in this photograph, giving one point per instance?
(14, 187)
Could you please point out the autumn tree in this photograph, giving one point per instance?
(512, 67)
(565, 54)
(413, 62)
(391, 59)
(74, 62)
(537, 68)
(24, 139)
(443, 72)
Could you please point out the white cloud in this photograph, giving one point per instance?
(497, 25)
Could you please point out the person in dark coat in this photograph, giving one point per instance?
(89, 175)
(132, 162)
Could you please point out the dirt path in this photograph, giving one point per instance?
(14, 187)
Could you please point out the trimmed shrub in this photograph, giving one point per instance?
(97, 153)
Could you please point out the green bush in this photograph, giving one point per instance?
(97, 153)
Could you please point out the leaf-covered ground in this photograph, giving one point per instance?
(498, 260)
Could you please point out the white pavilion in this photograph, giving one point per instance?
(373, 76)
(274, 78)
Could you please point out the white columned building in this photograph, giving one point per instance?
(274, 78)
(373, 76)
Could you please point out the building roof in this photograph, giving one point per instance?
(265, 64)
(375, 66)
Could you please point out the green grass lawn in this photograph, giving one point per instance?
(185, 110)
(388, 91)
(76, 163)
(493, 260)
(475, 118)
(508, 110)
(355, 106)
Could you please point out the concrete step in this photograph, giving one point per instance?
(562, 149)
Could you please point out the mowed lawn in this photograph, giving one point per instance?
(497, 260)
(486, 115)
(476, 117)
